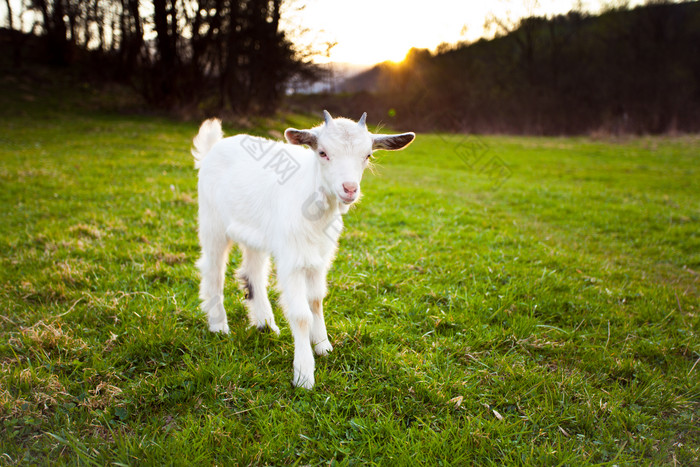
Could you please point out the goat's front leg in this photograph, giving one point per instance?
(293, 298)
(316, 291)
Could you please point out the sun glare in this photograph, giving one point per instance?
(387, 34)
(369, 54)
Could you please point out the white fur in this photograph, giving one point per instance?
(283, 200)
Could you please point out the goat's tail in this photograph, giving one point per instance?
(209, 134)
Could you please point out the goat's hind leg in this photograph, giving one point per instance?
(212, 266)
(253, 275)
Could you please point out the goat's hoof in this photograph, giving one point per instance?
(323, 348)
(219, 327)
(304, 381)
(273, 327)
(268, 327)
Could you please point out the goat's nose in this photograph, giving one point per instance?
(350, 187)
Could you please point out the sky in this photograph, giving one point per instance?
(372, 31)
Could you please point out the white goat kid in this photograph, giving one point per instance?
(285, 200)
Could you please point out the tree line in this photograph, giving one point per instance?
(623, 71)
(220, 54)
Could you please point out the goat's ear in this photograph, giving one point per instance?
(392, 142)
(295, 136)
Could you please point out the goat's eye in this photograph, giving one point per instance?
(323, 155)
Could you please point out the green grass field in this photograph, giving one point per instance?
(495, 300)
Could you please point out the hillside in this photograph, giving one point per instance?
(625, 71)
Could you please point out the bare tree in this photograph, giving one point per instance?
(231, 52)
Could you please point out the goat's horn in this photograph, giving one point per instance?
(327, 117)
(363, 120)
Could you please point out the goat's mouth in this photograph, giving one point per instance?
(348, 199)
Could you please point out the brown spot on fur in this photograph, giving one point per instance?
(247, 288)
(316, 307)
(303, 325)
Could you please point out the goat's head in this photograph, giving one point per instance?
(344, 148)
